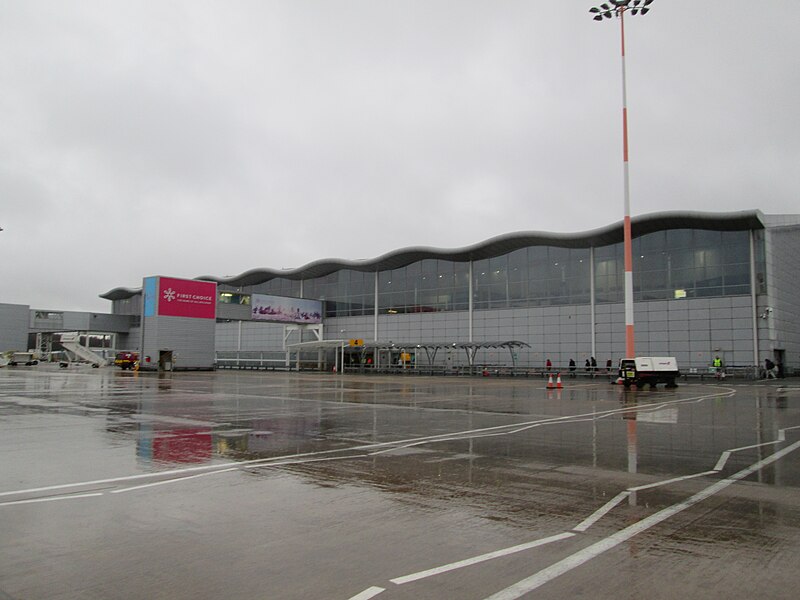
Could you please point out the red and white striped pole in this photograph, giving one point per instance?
(606, 11)
(628, 245)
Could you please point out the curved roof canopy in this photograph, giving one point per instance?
(496, 246)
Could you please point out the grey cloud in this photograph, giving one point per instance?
(216, 138)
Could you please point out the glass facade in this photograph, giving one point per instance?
(675, 263)
(696, 262)
(534, 276)
(425, 286)
(345, 293)
(274, 287)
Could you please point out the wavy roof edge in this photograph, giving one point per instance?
(495, 246)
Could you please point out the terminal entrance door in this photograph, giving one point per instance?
(779, 356)
(165, 362)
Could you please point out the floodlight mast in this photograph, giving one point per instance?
(607, 10)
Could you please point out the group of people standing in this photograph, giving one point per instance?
(590, 366)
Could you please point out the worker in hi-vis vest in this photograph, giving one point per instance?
(718, 370)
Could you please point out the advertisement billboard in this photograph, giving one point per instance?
(285, 310)
(184, 298)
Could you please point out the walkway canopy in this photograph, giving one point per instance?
(430, 348)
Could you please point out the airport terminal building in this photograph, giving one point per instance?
(705, 285)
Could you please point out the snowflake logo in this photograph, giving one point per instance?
(169, 294)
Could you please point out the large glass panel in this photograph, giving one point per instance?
(498, 282)
(736, 247)
(679, 238)
(579, 276)
(517, 265)
(481, 283)
(345, 292)
(760, 261)
(704, 238)
(736, 252)
(609, 271)
(277, 287)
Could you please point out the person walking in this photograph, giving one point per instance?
(769, 368)
(572, 368)
(548, 365)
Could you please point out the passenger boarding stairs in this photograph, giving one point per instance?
(72, 343)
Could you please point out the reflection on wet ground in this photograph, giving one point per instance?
(506, 456)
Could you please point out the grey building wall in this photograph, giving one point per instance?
(783, 285)
(250, 336)
(233, 311)
(14, 327)
(127, 306)
(191, 340)
(693, 330)
(413, 327)
(130, 341)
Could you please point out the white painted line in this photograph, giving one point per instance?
(303, 461)
(236, 468)
(739, 449)
(51, 499)
(555, 570)
(479, 559)
(723, 458)
(600, 512)
(64, 486)
(176, 480)
(674, 480)
(368, 593)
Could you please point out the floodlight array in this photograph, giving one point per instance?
(616, 7)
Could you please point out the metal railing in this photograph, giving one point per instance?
(270, 361)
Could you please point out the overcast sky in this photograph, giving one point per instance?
(210, 138)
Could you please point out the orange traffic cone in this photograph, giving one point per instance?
(559, 385)
(550, 385)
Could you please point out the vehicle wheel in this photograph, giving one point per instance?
(671, 384)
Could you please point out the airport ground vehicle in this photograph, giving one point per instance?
(648, 370)
(126, 360)
(23, 358)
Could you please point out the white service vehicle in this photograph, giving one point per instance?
(28, 359)
(649, 370)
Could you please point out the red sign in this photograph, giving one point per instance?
(187, 298)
